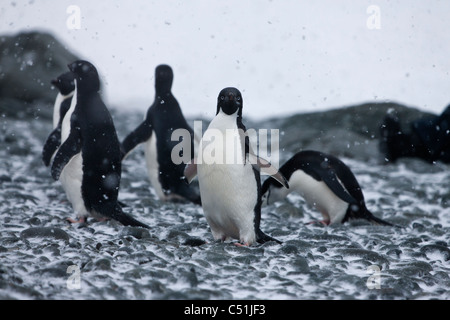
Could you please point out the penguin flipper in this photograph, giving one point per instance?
(330, 178)
(51, 145)
(68, 149)
(265, 167)
(139, 135)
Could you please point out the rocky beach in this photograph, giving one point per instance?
(42, 256)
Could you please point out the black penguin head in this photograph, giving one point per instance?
(86, 75)
(266, 191)
(163, 78)
(230, 101)
(65, 83)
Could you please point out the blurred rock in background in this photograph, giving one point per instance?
(28, 62)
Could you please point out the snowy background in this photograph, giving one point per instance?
(285, 56)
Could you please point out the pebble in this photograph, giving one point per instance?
(45, 232)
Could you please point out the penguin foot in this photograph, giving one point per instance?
(323, 222)
(238, 244)
(80, 220)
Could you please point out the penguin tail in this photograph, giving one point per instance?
(118, 214)
(372, 219)
(261, 237)
(128, 220)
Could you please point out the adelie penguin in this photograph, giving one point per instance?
(229, 175)
(163, 117)
(88, 162)
(65, 84)
(326, 183)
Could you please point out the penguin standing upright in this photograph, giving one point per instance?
(326, 183)
(163, 117)
(229, 175)
(66, 86)
(89, 160)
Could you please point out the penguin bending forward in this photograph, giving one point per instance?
(326, 183)
(66, 86)
(163, 117)
(88, 162)
(230, 186)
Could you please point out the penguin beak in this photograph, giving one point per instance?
(54, 82)
(72, 66)
(231, 97)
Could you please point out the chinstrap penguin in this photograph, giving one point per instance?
(326, 183)
(163, 117)
(230, 190)
(65, 84)
(88, 162)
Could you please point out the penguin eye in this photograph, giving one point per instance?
(222, 97)
(238, 98)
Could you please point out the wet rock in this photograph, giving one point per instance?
(438, 249)
(136, 273)
(45, 232)
(367, 255)
(288, 249)
(190, 276)
(394, 253)
(51, 272)
(103, 264)
(300, 264)
(289, 211)
(194, 242)
(34, 221)
(15, 291)
(351, 132)
(28, 62)
(136, 232)
(401, 288)
(216, 257)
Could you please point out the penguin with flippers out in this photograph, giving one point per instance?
(326, 183)
(163, 117)
(229, 175)
(89, 158)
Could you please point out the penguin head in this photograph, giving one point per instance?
(272, 191)
(163, 78)
(86, 75)
(65, 83)
(230, 101)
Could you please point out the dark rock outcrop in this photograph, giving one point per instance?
(351, 132)
(28, 62)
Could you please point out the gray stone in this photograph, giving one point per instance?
(28, 62)
(45, 232)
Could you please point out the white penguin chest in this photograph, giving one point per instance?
(56, 109)
(72, 175)
(65, 126)
(228, 188)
